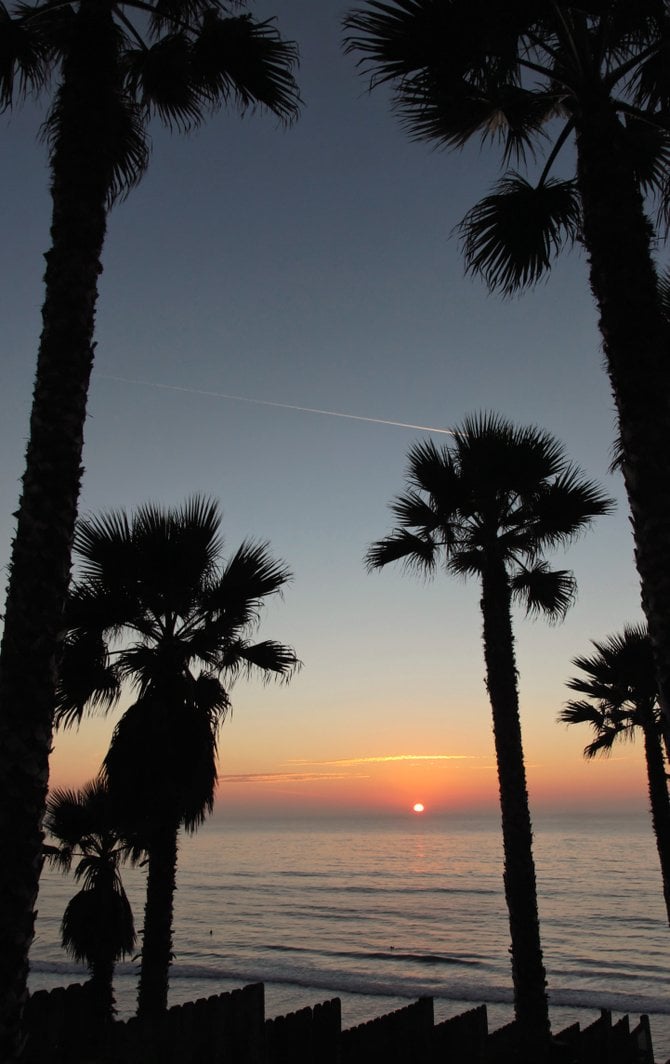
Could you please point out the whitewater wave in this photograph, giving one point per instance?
(338, 982)
(391, 955)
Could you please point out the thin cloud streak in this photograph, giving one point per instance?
(290, 777)
(383, 759)
(268, 402)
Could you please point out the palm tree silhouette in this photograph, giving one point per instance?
(489, 505)
(155, 607)
(117, 65)
(535, 77)
(97, 926)
(621, 697)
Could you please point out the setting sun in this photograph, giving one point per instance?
(418, 807)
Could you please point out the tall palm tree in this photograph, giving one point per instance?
(97, 925)
(490, 504)
(586, 85)
(117, 65)
(621, 697)
(155, 607)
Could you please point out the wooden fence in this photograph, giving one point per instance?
(308, 1036)
(63, 1029)
(232, 1029)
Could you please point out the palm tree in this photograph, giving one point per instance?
(117, 65)
(97, 925)
(621, 697)
(537, 77)
(489, 505)
(155, 607)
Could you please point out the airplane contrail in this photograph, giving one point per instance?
(268, 402)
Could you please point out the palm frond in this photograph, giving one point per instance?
(126, 148)
(621, 673)
(413, 511)
(169, 16)
(664, 295)
(153, 587)
(65, 820)
(417, 552)
(467, 561)
(396, 41)
(581, 712)
(606, 729)
(544, 590)
(566, 506)
(437, 496)
(650, 82)
(59, 857)
(619, 682)
(84, 824)
(156, 561)
(250, 576)
(103, 606)
(511, 237)
(98, 925)
(102, 543)
(517, 119)
(174, 551)
(455, 70)
(51, 23)
(73, 815)
(449, 112)
(604, 742)
(204, 513)
(604, 687)
(161, 78)
(271, 659)
(24, 57)
(86, 679)
(453, 110)
(88, 871)
(498, 457)
(210, 695)
(649, 146)
(247, 61)
(149, 666)
(161, 763)
(494, 485)
(430, 469)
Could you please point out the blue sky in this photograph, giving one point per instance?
(315, 266)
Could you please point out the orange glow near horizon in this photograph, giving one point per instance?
(255, 780)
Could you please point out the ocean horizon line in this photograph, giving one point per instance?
(490, 817)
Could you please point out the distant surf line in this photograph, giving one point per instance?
(269, 402)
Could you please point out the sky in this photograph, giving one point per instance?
(316, 267)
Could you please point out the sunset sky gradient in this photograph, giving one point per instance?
(313, 270)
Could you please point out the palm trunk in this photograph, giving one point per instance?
(528, 973)
(102, 991)
(40, 563)
(659, 802)
(102, 979)
(157, 941)
(636, 340)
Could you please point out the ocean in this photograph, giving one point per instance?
(380, 912)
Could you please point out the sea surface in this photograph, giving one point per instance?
(379, 912)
